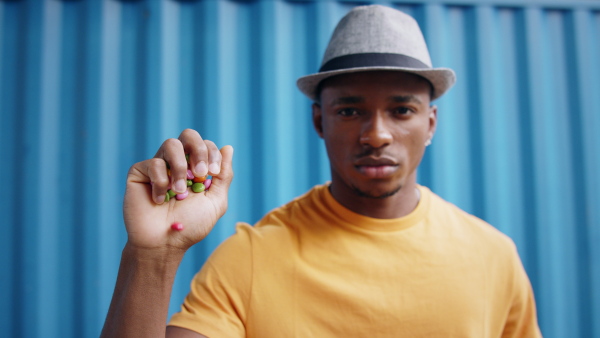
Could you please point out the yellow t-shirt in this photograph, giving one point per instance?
(313, 268)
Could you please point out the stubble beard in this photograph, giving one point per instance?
(367, 194)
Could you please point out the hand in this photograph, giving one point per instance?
(148, 217)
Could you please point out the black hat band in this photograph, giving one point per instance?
(372, 60)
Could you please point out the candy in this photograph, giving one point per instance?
(199, 179)
(198, 187)
(177, 226)
(182, 196)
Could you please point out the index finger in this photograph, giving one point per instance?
(151, 171)
(202, 153)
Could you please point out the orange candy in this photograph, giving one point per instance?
(199, 179)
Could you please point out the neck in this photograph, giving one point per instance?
(397, 205)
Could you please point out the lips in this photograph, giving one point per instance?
(376, 167)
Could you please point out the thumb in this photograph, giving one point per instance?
(222, 181)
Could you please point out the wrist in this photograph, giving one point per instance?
(168, 254)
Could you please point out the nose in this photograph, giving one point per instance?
(375, 133)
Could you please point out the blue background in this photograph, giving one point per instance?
(87, 88)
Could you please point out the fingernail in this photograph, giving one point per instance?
(214, 168)
(160, 198)
(180, 186)
(201, 168)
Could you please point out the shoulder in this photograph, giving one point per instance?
(468, 227)
(300, 205)
(286, 221)
(494, 251)
(278, 227)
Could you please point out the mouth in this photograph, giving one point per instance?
(376, 167)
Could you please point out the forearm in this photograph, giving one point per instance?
(140, 302)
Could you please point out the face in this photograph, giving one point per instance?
(375, 125)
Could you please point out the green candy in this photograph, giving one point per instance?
(190, 183)
(171, 193)
(167, 198)
(198, 187)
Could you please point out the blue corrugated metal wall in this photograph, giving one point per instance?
(87, 88)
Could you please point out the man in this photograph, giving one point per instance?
(370, 254)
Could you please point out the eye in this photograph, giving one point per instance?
(402, 111)
(348, 112)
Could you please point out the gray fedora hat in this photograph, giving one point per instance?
(373, 38)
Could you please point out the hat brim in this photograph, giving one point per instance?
(441, 79)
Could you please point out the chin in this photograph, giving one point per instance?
(376, 193)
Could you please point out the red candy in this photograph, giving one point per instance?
(177, 226)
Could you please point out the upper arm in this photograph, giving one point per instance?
(522, 317)
(218, 299)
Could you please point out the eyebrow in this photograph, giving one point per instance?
(347, 100)
(359, 99)
(407, 98)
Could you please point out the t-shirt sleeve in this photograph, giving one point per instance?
(522, 318)
(217, 303)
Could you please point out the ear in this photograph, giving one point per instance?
(432, 121)
(317, 118)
